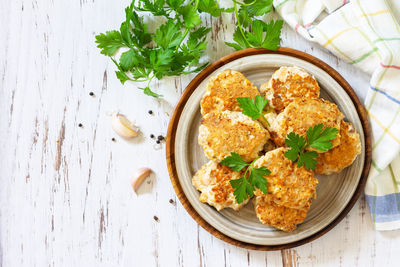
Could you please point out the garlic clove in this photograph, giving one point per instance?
(139, 176)
(123, 127)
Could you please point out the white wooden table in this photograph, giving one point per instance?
(65, 195)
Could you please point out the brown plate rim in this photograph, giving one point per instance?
(170, 143)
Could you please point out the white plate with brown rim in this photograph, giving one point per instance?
(336, 193)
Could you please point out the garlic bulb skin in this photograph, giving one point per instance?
(123, 127)
(139, 176)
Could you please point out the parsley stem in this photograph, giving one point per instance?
(150, 79)
(240, 23)
(183, 38)
(265, 120)
(186, 30)
(250, 166)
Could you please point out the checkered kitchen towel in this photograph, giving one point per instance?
(366, 34)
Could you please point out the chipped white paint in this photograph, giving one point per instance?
(65, 194)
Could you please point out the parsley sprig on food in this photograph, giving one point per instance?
(252, 178)
(253, 107)
(176, 46)
(317, 138)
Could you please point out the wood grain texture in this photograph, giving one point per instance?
(65, 195)
(194, 84)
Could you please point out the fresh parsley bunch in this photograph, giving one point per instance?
(175, 47)
(253, 177)
(172, 49)
(317, 137)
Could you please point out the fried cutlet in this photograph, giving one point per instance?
(280, 217)
(288, 185)
(302, 114)
(344, 154)
(223, 89)
(212, 180)
(287, 84)
(228, 131)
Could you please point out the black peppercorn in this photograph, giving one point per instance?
(150, 112)
(160, 137)
(152, 136)
(91, 94)
(113, 139)
(158, 141)
(80, 125)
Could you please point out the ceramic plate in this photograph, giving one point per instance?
(334, 192)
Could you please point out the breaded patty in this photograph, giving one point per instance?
(288, 83)
(230, 131)
(343, 155)
(223, 89)
(212, 180)
(302, 114)
(283, 218)
(288, 185)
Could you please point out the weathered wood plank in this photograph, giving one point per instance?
(65, 196)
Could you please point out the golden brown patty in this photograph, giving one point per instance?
(223, 89)
(288, 83)
(283, 218)
(228, 131)
(212, 180)
(288, 185)
(302, 114)
(343, 155)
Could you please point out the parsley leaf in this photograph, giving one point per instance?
(260, 102)
(256, 37)
(155, 7)
(257, 179)
(316, 138)
(258, 7)
(272, 34)
(175, 4)
(243, 189)
(321, 139)
(140, 35)
(211, 7)
(168, 35)
(110, 42)
(308, 159)
(148, 91)
(264, 35)
(234, 46)
(252, 108)
(243, 17)
(121, 75)
(239, 39)
(296, 144)
(129, 59)
(253, 177)
(190, 16)
(234, 161)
